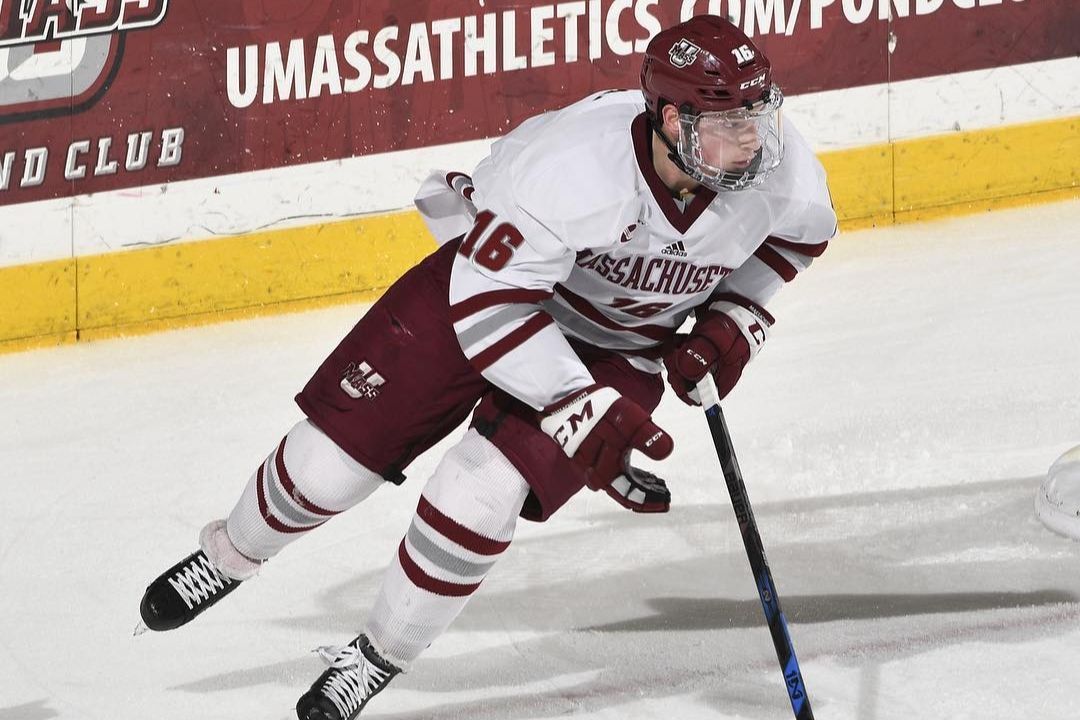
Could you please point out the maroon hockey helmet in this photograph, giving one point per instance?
(705, 64)
(721, 84)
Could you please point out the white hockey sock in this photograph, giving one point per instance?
(463, 523)
(307, 480)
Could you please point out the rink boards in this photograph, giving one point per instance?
(275, 171)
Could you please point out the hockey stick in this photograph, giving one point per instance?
(755, 551)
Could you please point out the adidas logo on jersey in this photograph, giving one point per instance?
(676, 248)
(361, 380)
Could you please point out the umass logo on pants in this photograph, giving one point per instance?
(360, 380)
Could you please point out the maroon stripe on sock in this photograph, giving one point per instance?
(456, 532)
(290, 486)
(422, 580)
(267, 516)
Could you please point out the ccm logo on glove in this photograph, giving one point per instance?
(597, 428)
(724, 340)
(567, 430)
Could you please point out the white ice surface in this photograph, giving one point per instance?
(919, 383)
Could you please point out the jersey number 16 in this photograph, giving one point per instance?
(496, 245)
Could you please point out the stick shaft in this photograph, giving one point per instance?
(755, 552)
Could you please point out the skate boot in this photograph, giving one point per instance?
(357, 673)
(195, 583)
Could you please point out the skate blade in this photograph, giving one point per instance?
(140, 629)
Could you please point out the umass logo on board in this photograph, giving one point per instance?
(58, 58)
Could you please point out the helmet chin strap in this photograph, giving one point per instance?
(749, 172)
(673, 152)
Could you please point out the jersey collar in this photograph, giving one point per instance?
(681, 220)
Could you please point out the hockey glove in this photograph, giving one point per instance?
(724, 339)
(597, 428)
(640, 491)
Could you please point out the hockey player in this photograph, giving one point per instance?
(569, 260)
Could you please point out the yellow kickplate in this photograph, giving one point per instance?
(252, 271)
(970, 167)
(246, 313)
(861, 183)
(37, 301)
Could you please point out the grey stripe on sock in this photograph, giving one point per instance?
(443, 559)
(276, 497)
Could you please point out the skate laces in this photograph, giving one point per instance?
(356, 678)
(198, 581)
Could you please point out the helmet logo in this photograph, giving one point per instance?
(683, 53)
(759, 80)
(743, 55)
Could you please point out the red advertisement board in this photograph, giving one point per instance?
(122, 95)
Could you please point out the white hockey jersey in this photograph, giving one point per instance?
(570, 233)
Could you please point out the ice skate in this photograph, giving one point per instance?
(197, 582)
(356, 674)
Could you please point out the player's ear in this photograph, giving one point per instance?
(669, 115)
